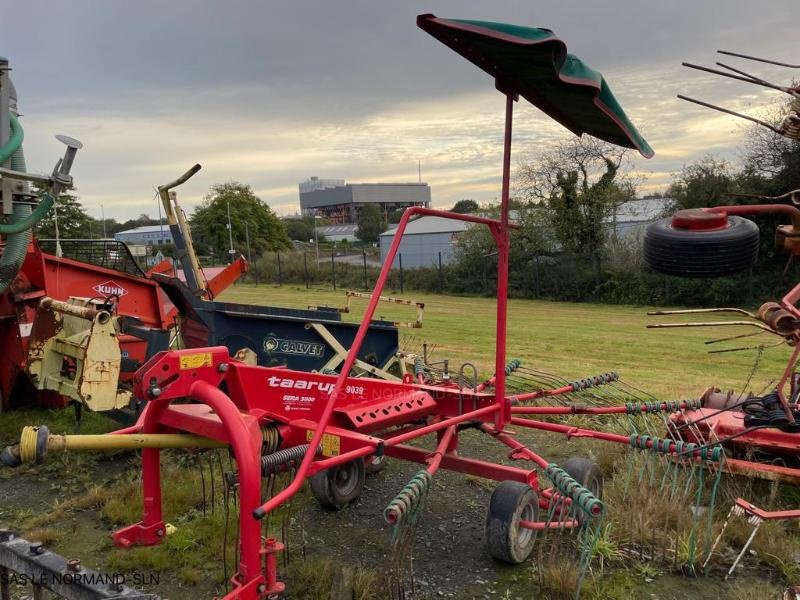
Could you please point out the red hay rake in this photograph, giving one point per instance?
(321, 428)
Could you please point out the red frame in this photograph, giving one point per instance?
(360, 416)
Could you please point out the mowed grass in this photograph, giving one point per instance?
(575, 340)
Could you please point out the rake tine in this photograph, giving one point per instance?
(763, 60)
(744, 73)
(732, 112)
(747, 79)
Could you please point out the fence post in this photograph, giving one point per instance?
(364, 254)
(305, 268)
(441, 275)
(280, 272)
(333, 269)
(400, 256)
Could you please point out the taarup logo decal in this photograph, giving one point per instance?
(299, 384)
(110, 288)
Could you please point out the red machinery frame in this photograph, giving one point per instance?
(338, 419)
(781, 319)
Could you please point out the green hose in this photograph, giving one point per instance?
(17, 243)
(14, 142)
(31, 219)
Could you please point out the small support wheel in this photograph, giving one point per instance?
(588, 474)
(338, 486)
(511, 503)
(374, 464)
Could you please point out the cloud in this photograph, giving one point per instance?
(269, 93)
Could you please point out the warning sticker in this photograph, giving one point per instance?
(331, 444)
(195, 361)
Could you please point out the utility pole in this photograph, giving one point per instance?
(419, 170)
(103, 217)
(316, 238)
(231, 252)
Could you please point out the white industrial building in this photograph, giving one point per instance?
(423, 240)
(631, 218)
(146, 235)
(338, 233)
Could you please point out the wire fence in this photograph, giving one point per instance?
(562, 277)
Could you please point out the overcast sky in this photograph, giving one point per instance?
(269, 93)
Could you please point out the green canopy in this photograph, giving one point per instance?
(534, 63)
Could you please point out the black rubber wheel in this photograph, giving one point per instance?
(511, 502)
(701, 253)
(588, 474)
(338, 486)
(374, 464)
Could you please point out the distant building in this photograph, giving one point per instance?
(631, 218)
(340, 202)
(423, 240)
(312, 184)
(147, 235)
(338, 233)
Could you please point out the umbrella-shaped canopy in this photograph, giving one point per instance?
(534, 64)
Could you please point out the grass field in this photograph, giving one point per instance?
(573, 340)
(72, 501)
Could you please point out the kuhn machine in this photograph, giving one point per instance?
(320, 427)
(78, 317)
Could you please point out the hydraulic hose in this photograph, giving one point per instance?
(18, 226)
(16, 243)
(14, 142)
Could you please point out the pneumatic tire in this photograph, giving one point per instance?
(338, 486)
(701, 253)
(511, 503)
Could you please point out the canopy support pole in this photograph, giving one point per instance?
(501, 235)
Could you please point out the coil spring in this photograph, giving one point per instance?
(513, 365)
(330, 372)
(283, 460)
(679, 447)
(667, 406)
(790, 126)
(409, 498)
(419, 368)
(589, 382)
(271, 439)
(581, 497)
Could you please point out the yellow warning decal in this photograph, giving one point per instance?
(331, 444)
(195, 361)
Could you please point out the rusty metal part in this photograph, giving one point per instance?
(246, 356)
(778, 318)
(74, 349)
(181, 234)
(80, 310)
(693, 311)
(717, 400)
(793, 195)
(420, 306)
(712, 324)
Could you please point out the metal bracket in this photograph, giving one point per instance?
(34, 564)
